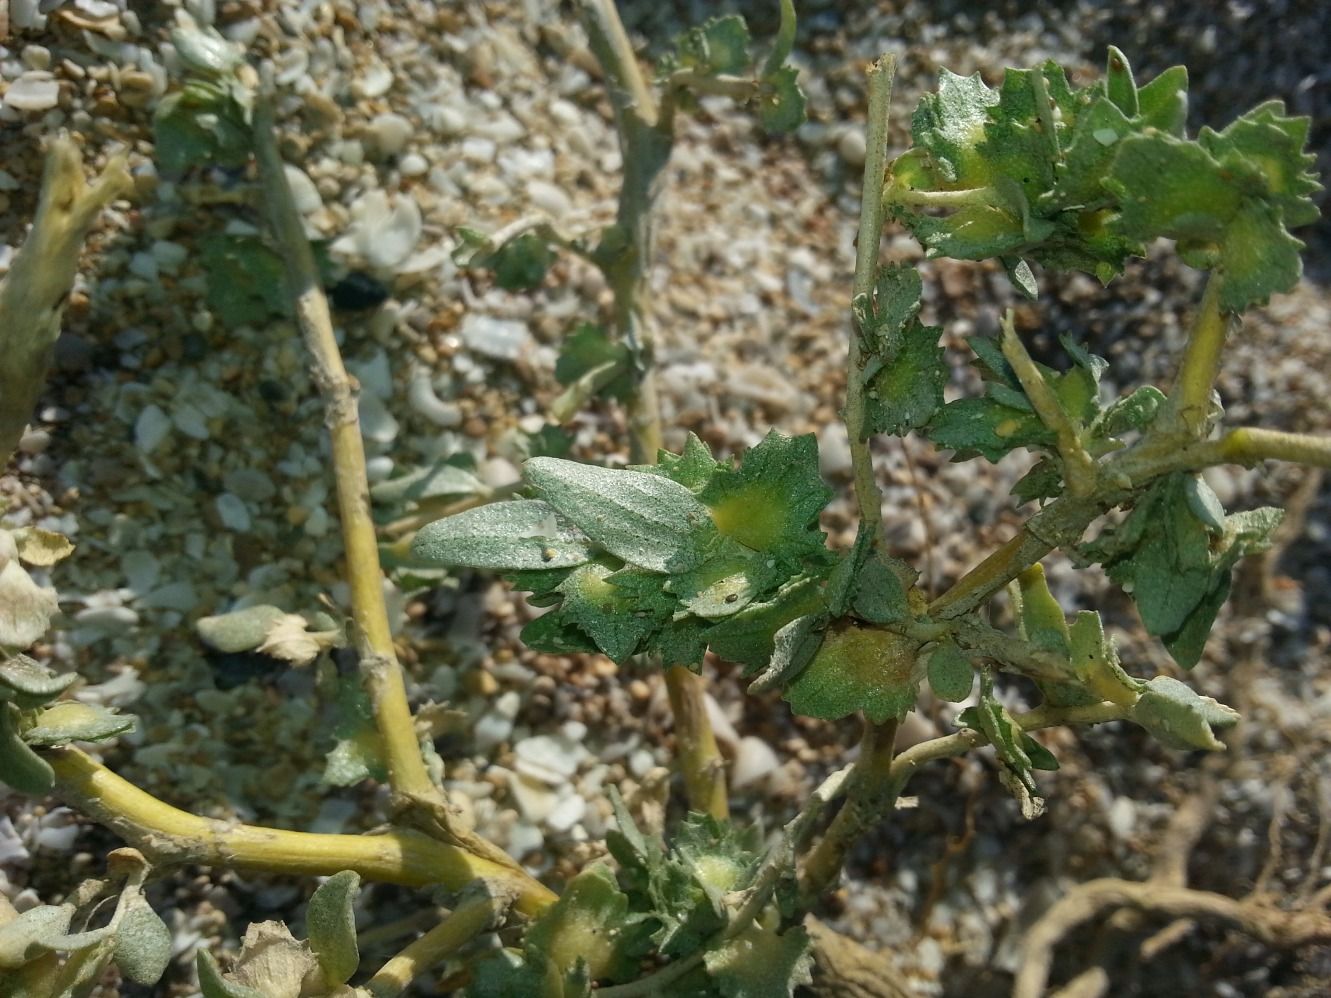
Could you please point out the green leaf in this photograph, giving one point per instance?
(762, 963)
(1095, 663)
(358, 753)
(693, 467)
(749, 636)
(793, 648)
(30, 684)
(1180, 718)
(987, 427)
(28, 936)
(142, 943)
(521, 264)
(556, 634)
(1018, 753)
(523, 534)
(71, 721)
(443, 478)
(1043, 481)
(1132, 412)
(589, 348)
(331, 927)
(859, 668)
(21, 767)
(1042, 621)
(1163, 103)
(727, 582)
(951, 675)
(1119, 84)
(772, 501)
(238, 630)
(245, 279)
(202, 125)
(214, 985)
(905, 370)
(613, 612)
(785, 38)
(781, 102)
(1177, 572)
(949, 125)
(720, 45)
(589, 923)
(881, 595)
(646, 520)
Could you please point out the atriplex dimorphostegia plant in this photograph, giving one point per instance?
(671, 559)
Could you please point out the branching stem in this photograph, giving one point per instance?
(1190, 401)
(168, 835)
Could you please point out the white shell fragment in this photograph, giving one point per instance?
(35, 90)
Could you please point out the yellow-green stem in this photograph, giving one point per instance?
(464, 924)
(383, 674)
(1190, 401)
(695, 744)
(168, 835)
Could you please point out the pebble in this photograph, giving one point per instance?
(500, 339)
(235, 515)
(536, 800)
(851, 147)
(388, 134)
(551, 759)
(35, 90)
(304, 194)
(567, 813)
(413, 164)
(548, 198)
(754, 762)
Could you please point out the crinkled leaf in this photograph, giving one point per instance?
(26, 608)
(444, 478)
(772, 501)
(522, 534)
(987, 427)
(616, 615)
(42, 548)
(725, 583)
(646, 520)
(1132, 412)
(142, 943)
(202, 125)
(693, 467)
(358, 753)
(1179, 717)
(29, 936)
(1163, 103)
(1177, 572)
(71, 721)
(331, 927)
(588, 349)
(214, 985)
(951, 675)
(793, 648)
(719, 45)
(949, 124)
(29, 684)
(781, 102)
(272, 960)
(908, 388)
(748, 637)
(588, 923)
(556, 634)
(881, 593)
(762, 963)
(1094, 661)
(859, 668)
(1043, 481)
(1018, 753)
(245, 279)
